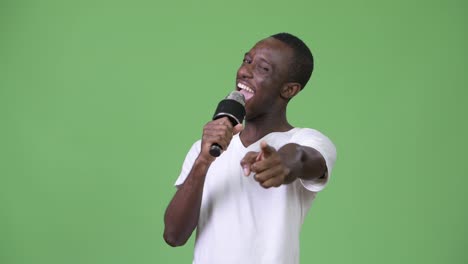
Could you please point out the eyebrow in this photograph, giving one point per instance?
(262, 59)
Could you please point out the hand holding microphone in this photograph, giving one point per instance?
(227, 121)
(233, 107)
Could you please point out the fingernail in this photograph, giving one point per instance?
(246, 171)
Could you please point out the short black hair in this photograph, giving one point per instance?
(302, 65)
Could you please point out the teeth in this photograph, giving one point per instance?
(245, 87)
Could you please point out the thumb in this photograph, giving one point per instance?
(238, 128)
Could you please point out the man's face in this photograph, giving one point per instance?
(262, 73)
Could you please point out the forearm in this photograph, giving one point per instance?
(182, 213)
(303, 162)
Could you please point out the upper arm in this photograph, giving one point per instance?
(188, 163)
(317, 144)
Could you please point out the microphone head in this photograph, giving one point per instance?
(233, 107)
(236, 96)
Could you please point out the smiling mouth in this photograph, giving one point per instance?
(246, 91)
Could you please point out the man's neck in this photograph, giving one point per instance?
(256, 129)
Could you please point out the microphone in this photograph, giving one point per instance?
(232, 107)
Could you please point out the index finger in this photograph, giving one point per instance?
(222, 121)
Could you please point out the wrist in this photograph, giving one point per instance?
(291, 155)
(203, 160)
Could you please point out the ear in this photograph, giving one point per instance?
(289, 90)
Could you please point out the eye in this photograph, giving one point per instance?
(247, 60)
(263, 68)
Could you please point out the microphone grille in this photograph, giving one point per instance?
(237, 96)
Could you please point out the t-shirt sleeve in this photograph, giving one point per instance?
(188, 162)
(316, 140)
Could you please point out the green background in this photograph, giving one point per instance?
(100, 100)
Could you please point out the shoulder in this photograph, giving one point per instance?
(315, 139)
(308, 133)
(196, 146)
(193, 152)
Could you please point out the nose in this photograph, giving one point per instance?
(245, 71)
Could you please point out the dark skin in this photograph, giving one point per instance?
(265, 71)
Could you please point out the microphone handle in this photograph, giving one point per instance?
(215, 150)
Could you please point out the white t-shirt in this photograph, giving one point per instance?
(241, 222)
